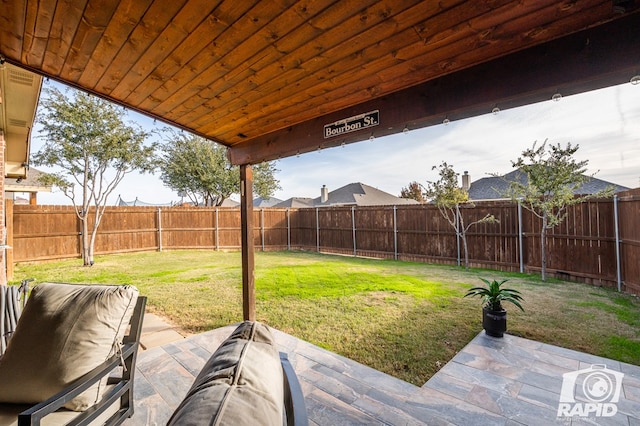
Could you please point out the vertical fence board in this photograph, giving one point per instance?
(275, 228)
(45, 232)
(303, 229)
(374, 231)
(629, 210)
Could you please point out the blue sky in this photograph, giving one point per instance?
(605, 123)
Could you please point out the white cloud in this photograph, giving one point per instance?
(605, 123)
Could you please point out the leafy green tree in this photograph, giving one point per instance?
(448, 197)
(199, 169)
(413, 192)
(92, 148)
(553, 176)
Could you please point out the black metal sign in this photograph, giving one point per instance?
(352, 124)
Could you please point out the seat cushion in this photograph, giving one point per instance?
(241, 384)
(9, 414)
(64, 332)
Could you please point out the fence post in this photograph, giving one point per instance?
(262, 227)
(289, 229)
(317, 231)
(217, 233)
(395, 232)
(159, 229)
(80, 238)
(353, 228)
(520, 243)
(617, 230)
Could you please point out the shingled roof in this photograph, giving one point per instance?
(295, 202)
(494, 187)
(360, 194)
(261, 202)
(353, 194)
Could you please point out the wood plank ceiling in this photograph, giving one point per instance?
(265, 77)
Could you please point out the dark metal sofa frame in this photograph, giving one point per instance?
(294, 407)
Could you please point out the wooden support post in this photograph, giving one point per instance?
(246, 220)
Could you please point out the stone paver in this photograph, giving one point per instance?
(157, 331)
(509, 381)
(532, 395)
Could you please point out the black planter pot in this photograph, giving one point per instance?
(494, 322)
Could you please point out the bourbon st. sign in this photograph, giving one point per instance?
(351, 124)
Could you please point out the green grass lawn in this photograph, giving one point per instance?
(406, 319)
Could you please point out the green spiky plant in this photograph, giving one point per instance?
(493, 295)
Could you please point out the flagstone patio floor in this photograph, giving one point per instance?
(508, 381)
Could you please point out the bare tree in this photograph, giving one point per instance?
(448, 196)
(552, 178)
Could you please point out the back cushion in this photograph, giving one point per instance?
(241, 384)
(64, 332)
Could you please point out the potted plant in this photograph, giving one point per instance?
(494, 316)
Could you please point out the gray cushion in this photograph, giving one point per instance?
(64, 332)
(9, 414)
(241, 384)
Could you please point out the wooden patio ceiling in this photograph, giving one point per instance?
(265, 78)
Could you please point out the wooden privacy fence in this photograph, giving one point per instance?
(599, 242)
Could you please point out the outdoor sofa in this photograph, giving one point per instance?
(245, 382)
(64, 365)
(71, 359)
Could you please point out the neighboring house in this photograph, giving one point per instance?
(353, 194)
(228, 202)
(494, 187)
(296, 203)
(122, 203)
(29, 185)
(260, 202)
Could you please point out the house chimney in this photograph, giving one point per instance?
(466, 184)
(324, 194)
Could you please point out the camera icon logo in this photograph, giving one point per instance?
(593, 390)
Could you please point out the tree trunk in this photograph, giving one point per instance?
(85, 241)
(86, 254)
(466, 251)
(92, 244)
(463, 235)
(99, 211)
(543, 252)
(90, 262)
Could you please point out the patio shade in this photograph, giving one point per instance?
(270, 79)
